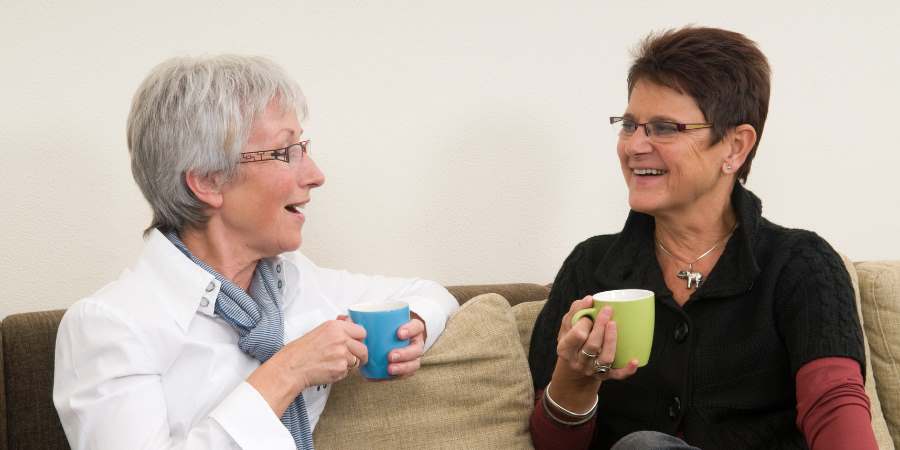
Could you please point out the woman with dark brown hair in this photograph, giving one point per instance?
(757, 342)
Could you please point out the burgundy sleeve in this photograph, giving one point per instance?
(832, 406)
(547, 434)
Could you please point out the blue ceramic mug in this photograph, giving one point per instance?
(381, 321)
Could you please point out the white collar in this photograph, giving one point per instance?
(184, 287)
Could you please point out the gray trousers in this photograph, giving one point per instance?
(651, 440)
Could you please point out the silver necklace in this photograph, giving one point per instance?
(694, 278)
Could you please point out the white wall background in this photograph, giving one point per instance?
(461, 140)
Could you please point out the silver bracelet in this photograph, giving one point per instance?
(580, 417)
(561, 421)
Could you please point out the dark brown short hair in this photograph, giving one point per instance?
(725, 73)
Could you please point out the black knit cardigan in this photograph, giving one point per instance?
(722, 368)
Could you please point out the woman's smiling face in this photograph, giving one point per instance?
(262, 205)
(668, 175)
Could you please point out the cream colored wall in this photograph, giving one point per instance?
(463, 141)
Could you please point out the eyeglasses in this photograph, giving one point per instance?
(656, 130)
(292, 154)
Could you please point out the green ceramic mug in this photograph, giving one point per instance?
(634, 312)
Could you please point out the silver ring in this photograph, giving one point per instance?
(601, 368)
(589, 355)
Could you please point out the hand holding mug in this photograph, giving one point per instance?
(634, 312)
(583, 345)
(394, 342)
(405, 361)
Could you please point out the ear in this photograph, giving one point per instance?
(740, 140)
(207, 188)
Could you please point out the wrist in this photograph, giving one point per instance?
(413, 315)
(277, 384)
(293, 377)
(574, 391)
(564, 416)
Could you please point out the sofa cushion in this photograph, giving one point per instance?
(879, 424)
(880, 289)
(526, 314)
(29, 342)
(472, 391)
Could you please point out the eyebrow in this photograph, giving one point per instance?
(656, 118)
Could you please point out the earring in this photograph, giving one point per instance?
(727, 167)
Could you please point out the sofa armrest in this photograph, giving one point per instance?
(29, 343)
(2, 395)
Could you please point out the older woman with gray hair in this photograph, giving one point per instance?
(222, 335)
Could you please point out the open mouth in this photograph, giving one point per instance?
(649, 172)
(296, 208)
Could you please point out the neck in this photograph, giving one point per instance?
(690, 232)
(216, 248)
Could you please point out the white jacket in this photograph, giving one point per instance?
(144, 363)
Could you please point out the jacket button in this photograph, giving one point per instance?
(675, 408)
(681, 332)
(210, 286)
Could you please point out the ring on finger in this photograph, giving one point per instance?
(355, 363)
(588, 354)
(601, 368)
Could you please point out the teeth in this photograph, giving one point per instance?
(648, 171)
(296, 208)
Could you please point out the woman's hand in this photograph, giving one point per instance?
(323, 356)
(404, 362)
(575, 379)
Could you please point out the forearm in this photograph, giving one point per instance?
(832, 406)
(548, 434)
(275, 386)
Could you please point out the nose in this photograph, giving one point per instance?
(310, 175)
(639, 142)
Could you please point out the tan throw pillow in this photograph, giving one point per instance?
(526, 314)
(879, 284)
(473, 391)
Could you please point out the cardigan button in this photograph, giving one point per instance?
(681, 332)
(675, 408)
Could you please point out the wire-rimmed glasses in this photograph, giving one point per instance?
(656, 130)
(292, 154)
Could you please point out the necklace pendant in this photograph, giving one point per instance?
(694, 279)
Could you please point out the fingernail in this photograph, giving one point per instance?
(393, 356)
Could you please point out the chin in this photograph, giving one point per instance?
(644, 203)
(290, 245)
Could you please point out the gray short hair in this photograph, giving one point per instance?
(195, 113)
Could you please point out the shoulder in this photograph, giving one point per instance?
(591, 250)
(797, 251)
(124, 300)
(803, 266)
(125, 312)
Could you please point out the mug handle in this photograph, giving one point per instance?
(590, 313)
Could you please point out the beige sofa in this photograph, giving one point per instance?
(473, 390)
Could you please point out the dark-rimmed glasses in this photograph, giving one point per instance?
(656, 130)
(293, 153)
